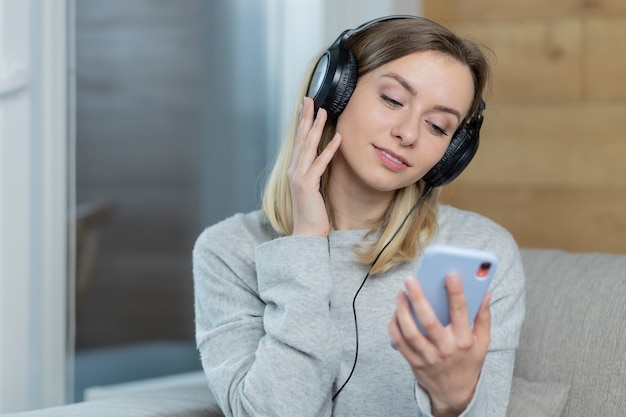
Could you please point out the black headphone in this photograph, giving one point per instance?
(333, 82)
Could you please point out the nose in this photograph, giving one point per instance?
(406, 130)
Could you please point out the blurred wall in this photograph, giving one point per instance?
(158, 87)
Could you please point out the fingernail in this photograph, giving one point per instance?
(410, 283)
(399, 296)
(454, 279)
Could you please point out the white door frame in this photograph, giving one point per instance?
(34, 201)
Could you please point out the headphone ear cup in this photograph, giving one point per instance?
(346, 83)
(457, 157)
(334, 80)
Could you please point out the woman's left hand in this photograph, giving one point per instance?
(446, 361)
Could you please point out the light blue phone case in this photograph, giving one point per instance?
(470, 264)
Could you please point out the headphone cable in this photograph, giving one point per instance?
(356, 327)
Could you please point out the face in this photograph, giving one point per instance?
(400, 119)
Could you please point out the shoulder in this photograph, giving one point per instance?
(467, 228)
(225, 251)
(240, 233)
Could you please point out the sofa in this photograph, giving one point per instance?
(571, 361)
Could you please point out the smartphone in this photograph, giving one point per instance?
(475, 267)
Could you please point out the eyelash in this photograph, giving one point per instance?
(437, 130)
(391, 101)
(433, 127)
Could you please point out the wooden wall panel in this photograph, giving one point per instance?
(551, 167)
(544, 145)
(579, 220)
(454, 11)
(605, 57)
(533, 59)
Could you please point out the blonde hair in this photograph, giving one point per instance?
(373, 47)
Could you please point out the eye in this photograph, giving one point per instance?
(390, 101)
(436, 129)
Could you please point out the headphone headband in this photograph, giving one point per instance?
(349, 32)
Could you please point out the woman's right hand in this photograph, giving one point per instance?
(305, 171)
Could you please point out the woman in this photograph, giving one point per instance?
(302, 308)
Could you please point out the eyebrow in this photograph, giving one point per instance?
(412, 91)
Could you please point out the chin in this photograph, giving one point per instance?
(395, 185)
(386, 187)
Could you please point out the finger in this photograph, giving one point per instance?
(393, 327)
(327, 154)
(315, 133)
(404, 333)
(398, 341)
(306, 119)
(419, 348)
(424, 311)
(308, 148)
(305, 149)
(304, 127)
(457, 304)
(482, 324)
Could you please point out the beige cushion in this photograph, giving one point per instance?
(537, 399)
(575, 331)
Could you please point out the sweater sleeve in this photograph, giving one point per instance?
(266, 350)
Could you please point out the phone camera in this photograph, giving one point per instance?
(483, 270)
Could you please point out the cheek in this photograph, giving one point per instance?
(363, 112)
(435, 151)
(441, 150)
(348, 120)
(429, 156)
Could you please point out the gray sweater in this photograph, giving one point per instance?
(276, 332)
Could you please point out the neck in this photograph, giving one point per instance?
(353, 210)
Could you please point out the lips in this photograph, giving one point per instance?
(391, 160)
